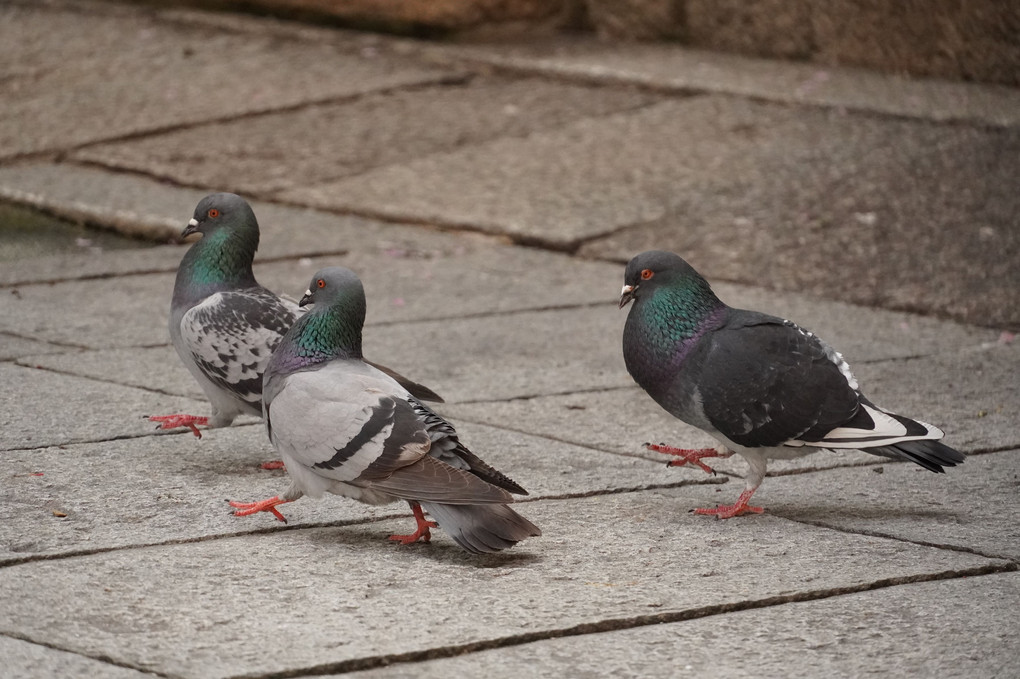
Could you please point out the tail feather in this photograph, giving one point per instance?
(932, 455)
(482, 528)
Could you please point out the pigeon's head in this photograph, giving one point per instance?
(220, 211)
(334, 285)
(654, 269)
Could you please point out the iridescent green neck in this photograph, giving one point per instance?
(681, 310)
(319, 336)
(222, 258)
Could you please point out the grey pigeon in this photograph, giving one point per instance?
(223, 324)
(343, 426)
(761, 385)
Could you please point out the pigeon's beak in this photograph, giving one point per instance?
(191, 228)
(627, 294)
(305, 299)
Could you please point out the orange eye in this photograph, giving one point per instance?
(213, 213)
(321, 283)
(646, 274)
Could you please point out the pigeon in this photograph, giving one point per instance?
(223, 324)
(343, 426)
(764, 387)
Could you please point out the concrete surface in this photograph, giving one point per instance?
(488, 195)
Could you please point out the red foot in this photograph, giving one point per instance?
(174, 421)
(273, 464)
(736, 509)
(246, 508)
(422, 532)
(687, 455)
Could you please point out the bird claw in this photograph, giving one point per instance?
(728, 511)
(248, 508)
(738, 508)
(174, 421)
(686, 456)
(421, 532)
(273, 464)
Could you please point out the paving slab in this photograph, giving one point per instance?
(275, 603)
(971, 507)
(569, 184)
(26, 660)
(172, 487)
(163, 75)
(671, 67)
(956, 628)
(750, 192)
(142, 206)
(107, 312)
(12, 347)
(43, 408)
(328, 142)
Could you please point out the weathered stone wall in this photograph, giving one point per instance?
(958, 39)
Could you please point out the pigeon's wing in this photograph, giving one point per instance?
(447, 447)
(763, 381)
(231, 336)
(349, 422)
(419, 391)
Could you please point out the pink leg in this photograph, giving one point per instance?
(687, 455)
(273, 464)
(174, 421)
(421, 532)
(736, 509)
(246, 508)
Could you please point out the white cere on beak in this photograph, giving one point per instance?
(627, 289)
(308, 292)
(193, 222)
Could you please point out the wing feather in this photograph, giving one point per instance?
(772, 382)
(231, 337)
(344, 422)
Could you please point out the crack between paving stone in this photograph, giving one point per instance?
(621, 624)
(582, 494)
(116, 437)
(557, 439)
(151, 272)
(56, 343)
(66, 373)
(576, 74)
(278, 527)
(490, 314)
(103, 658)
(898, 538)
(530, 397)
(59, 153)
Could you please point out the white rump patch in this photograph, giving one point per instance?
(888, 430)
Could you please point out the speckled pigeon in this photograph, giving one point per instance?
(223, 324)
(761, 385)
(342, 426)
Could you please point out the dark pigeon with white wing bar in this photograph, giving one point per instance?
(763, 386)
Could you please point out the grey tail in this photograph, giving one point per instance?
(482, 528)
(932, 455)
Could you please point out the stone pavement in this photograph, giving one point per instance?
(488, 195)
